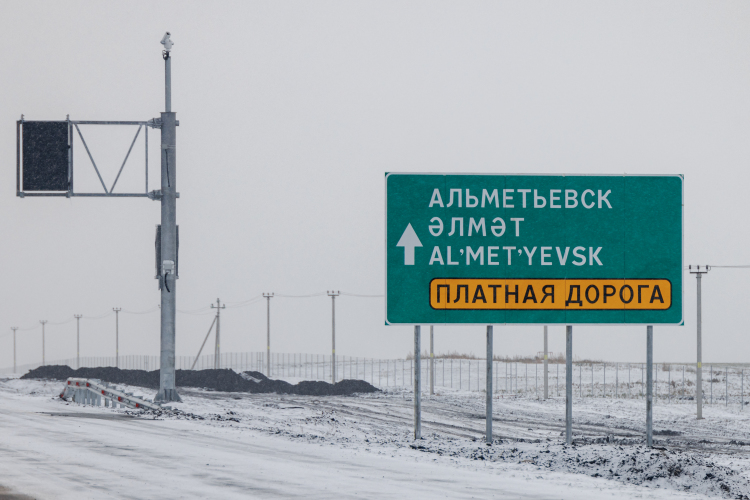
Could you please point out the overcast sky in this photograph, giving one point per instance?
(290, 114)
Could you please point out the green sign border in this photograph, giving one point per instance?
(446, 174)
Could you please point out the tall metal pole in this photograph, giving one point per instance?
(649, 384)
(546, 372)
(43, 322)
(78, 339)
(217, 350)
(167, 389)
(417, 383)
(333, 296)
(268, 333)
(569, 384)
(488, 417)
(696, 270)
(14, 328)
(117, 336)
(432, 360)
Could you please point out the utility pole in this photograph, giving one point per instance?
(47, 167)
(268, 333)
(117, 336)
(14, 328)
(217, 352)
(78, 339)
(43, 322)
(168, 195)
(333, 296)
(699, 368)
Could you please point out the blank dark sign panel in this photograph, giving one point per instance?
(45, 156)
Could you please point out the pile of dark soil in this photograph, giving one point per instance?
(140, 378)
(217, 380)
(309, 387)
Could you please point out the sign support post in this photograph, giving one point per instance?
(488, 433)
(546, 372)
(432, 360)
(417, 384)
(569, 384)
(649, 384)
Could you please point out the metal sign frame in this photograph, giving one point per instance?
(681, 294)
(74, 130)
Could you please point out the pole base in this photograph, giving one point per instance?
(168, 396)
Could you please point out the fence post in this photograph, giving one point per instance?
(649, 362)
(432, 361)
(569, 384)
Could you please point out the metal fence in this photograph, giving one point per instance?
(673, 383)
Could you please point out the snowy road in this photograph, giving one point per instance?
(50, 449)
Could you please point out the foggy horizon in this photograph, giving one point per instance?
(290, 116)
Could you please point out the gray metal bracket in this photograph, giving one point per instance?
(156, 123)
(156, 194)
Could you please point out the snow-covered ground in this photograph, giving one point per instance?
(260, 446)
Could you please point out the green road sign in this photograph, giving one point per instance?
(550, 249)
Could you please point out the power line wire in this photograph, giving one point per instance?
(99, 317)
(61, 322)
(148, 311)
(203, 311)
(244, 302)
(319, 294)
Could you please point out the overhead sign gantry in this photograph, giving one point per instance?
(44, 167)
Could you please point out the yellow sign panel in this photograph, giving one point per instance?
(549, 294)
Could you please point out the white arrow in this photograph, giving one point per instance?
(409, 241)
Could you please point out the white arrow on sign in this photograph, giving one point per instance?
(409, 241)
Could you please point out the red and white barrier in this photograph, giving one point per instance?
(97, 393)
